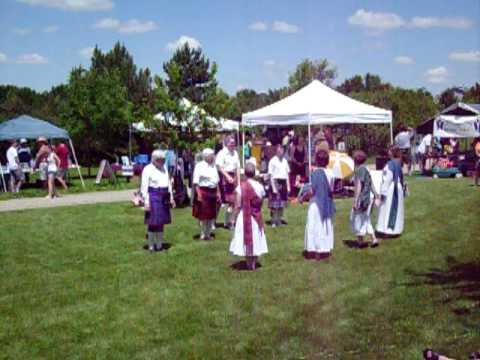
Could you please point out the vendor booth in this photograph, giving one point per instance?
(29, 127)
(317, 104)
(458, 121)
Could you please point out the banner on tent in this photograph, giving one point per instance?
(456, 126)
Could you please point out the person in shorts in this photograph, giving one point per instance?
(16, 174)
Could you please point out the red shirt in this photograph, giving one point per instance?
(62, 151)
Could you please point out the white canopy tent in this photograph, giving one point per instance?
(317, 104)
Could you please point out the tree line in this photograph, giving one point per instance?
(98, 103)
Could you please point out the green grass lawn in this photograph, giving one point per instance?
(76, 283)
(75, 186)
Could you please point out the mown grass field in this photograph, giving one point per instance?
(77, 284)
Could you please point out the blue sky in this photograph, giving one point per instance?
(256, 44)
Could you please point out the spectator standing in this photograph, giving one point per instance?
(13, 164)
(62, 152)
(403, 142)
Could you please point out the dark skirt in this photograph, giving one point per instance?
(227, 189)
(278, 200)
(159, 213)
(206, 209)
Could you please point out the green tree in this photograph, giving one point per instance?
(449, 96)
(353, 85)
(191, 76)
(138, 82)
(309, 70)
(96, 112)
(472, 95)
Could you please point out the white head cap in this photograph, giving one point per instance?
(23, 141)
(207, 152)
(158, 154)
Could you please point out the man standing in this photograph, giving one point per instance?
(278, 171)
(16, 173)
(403, 142)
(228, 164)
(424, 149)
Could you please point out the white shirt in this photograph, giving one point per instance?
(228, 161)
(402, 140)
(12, 157)
(205, 175)
(153, 177)
(426, 141)
(257, 187)
(278, 169)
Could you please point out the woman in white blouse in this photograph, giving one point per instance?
(278, 170)
(206, 193)
(228, 164)
(157, 193)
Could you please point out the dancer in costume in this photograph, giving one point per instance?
(156, 190)
(249, 238)
(228, 164)
(319, 235)
(391, 211)
(206, 193)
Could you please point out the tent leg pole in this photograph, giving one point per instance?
(130, 143)
(3, 178)
(309, 152)
(76, 163)
(391, 133)
(243, 147)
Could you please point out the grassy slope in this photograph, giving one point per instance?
(76, 283)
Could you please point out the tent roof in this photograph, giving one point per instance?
(461, 108)
(318, 104)
(29, 127)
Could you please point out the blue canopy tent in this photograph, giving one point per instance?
(29, 127)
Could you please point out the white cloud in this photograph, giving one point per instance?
(258, 26)
(22, 31)
(73, 5)
(31, 59)
(437, 75)
(126, 27)
(107, 24)
(184, 39)
(443, 22)
(136, 26)
(269, 63)
(282, 26)
(403, 60)
(241, 87)
(3, 58)
(466, 56)
(86, 52)
(51, 29)
(376, 20)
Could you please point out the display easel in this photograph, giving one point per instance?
(105, 169)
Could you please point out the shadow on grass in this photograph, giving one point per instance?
(242, 266)
(461, 280)
(165, 246)
(354, 244)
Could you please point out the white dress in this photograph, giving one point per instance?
(360, 221)
(258, 236)
(386, 189)
(319, 235)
